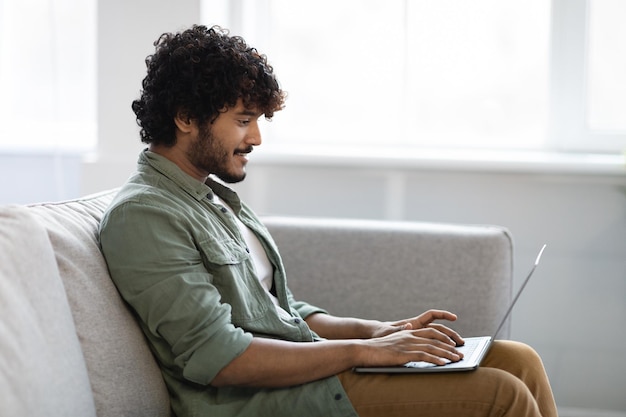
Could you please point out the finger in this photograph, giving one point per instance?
(434, 334)
(437, 354)
(453, 335)
(431, 315)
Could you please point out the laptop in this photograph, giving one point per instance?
(474, 350)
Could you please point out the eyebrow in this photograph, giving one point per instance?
(250, 113)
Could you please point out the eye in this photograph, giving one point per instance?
(244, 122)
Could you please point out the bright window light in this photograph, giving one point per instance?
(506, 75)
(606, 93)
(477, 73)
(445, 73)
(48, 75)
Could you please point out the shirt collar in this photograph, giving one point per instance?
(190, 185)
(169, 169)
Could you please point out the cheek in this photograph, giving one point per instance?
(228, 139)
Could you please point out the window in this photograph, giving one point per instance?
(486, 74)
(48, 74)
(607, 66)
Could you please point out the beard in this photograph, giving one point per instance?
(209, 154)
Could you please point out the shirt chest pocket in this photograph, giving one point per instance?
(232, 274)
(217, 253)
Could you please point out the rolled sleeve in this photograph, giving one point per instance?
(304, 309)
(206, 362)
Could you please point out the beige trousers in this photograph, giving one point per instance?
(510, 382)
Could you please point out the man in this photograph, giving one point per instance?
(208, 285)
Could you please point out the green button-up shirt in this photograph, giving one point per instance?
(179, 260)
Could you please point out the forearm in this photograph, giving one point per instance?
(331, 327)
(278, 363)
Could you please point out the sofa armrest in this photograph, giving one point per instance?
(393, 270)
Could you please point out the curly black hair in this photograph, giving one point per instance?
(198, 73)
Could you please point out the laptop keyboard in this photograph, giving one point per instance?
(469, 347)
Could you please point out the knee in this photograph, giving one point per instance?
(517, 358)
(517, 351)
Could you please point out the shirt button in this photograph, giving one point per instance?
(297, 321)
(223, 209)
(338, 397)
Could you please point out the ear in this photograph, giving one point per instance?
(183, 122)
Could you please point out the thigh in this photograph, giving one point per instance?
(484, 392)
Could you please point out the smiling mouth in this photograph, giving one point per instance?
(244, 152)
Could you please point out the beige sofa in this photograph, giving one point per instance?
(69, 346)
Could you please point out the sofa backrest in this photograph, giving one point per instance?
(388, 270)
(124, 376)
(42, 370)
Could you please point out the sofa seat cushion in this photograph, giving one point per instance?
(42, 369)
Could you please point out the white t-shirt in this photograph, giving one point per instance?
(262, 265)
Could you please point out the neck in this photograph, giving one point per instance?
(178, 156)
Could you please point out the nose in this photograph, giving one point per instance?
(253, 136)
